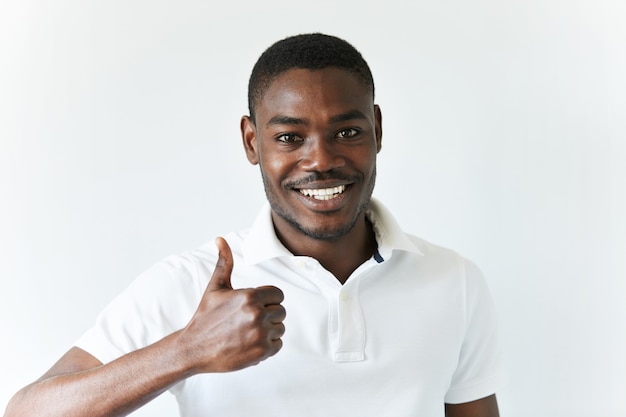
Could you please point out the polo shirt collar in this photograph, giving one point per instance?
(262, 244)
(389, 234)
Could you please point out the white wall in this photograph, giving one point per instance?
(504, 138)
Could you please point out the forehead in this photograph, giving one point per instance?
(305, 91)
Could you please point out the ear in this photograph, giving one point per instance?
(378, 127)
(248, 135)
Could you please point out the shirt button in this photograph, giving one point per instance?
(300, 263)
(344, 296)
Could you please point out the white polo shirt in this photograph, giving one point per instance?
(411, 329)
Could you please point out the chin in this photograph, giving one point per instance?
(320, 231)
(327, 234)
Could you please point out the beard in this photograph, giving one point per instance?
(326, 231)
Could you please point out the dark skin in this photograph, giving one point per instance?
(303, 126)
(323, 128)
(230, 330)
(316, 132)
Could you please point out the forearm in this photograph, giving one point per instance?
(114, 389)
(231, 330)
(485, 407)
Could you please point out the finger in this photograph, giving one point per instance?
(275, 313)
(269, 295)
(223, 269)
(277, 332)
(276, 345)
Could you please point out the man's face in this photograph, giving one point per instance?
(315, 137)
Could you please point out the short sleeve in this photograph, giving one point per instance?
(159, 302)
(479, 372)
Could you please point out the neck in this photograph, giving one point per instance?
(340, 256)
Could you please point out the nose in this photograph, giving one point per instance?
(321, 155)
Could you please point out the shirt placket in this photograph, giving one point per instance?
(346, 324)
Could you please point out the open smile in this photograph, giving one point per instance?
(323, 194)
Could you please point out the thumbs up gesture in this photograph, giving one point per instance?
(233, 329)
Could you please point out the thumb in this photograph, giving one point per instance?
(223, 269)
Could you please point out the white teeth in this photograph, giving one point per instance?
(324, 193)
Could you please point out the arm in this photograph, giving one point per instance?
(485, 407)
(78, 384)
(231, 330)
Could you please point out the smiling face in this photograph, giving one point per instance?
(315, 136)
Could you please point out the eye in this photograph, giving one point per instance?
(288, 138)
(347, 133)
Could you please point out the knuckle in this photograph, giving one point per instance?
(260, 353)
(252, 296)
(257, 317)
(257, 350)
(256, 336)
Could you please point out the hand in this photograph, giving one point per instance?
(233, 329)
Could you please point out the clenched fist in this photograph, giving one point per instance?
(233, 329)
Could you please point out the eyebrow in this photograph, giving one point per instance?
(285, 120)
(344, 117)
(351, 115)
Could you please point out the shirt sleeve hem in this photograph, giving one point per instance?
(475, 391)
(103, 354)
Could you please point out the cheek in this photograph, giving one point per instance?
(274, 171)
(278, 166)
(366, 162)
(271, 168)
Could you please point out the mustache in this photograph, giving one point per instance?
(321, 176)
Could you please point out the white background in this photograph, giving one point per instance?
(504, 138)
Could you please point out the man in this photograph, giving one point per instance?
(379, 323)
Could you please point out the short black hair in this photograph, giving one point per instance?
(312, 51)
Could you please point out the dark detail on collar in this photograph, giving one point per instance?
(377, 257)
